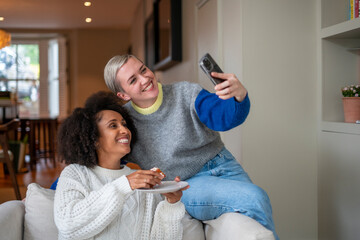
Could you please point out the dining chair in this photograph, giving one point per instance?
(6, 155)
(42, 138)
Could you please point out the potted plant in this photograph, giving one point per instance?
(351, 103)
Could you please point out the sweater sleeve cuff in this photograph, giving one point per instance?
(221, 115)
(245, 101)
(172, 211)
(122, 184)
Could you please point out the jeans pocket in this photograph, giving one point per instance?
(227, 166)
(227, 155)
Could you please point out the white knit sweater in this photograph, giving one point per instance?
(98, 203)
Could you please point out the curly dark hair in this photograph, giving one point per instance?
(79, 133)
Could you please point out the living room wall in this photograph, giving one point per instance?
(90, 50)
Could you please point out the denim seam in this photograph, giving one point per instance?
(211, 205)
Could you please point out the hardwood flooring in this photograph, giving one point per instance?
(44, 174)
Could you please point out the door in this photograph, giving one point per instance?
(219, 33)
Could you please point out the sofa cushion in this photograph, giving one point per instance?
(236, 226)
(39, 215)
(12, 220)
(193, 228)
(39, 221)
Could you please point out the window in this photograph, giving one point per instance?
(19, 74)
(34, 71)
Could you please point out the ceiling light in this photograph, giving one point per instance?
(88, 20)
(5, 39)
(87, 4)
(2, 18)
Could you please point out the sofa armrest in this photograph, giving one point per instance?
(12, 220)
(235, 225)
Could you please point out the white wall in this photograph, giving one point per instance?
(90, 50)
(271, 46)
(279, 141)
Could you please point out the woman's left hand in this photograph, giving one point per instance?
(174, 197)
(230, 87)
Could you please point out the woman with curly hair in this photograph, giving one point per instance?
(95, 197)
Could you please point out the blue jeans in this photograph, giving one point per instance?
(223, 186)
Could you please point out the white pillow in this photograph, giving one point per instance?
(39, 214)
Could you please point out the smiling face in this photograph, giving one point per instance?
(138, 82)
(114, 139)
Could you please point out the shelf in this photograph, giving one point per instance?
(341, 127)
(348, 29)
(340, 59)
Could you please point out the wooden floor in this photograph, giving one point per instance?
(44, 174)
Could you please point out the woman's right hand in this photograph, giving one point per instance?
(144, 179)
(174, 197)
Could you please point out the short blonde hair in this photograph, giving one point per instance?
(111, 69)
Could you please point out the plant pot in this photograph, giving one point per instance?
(351, 109)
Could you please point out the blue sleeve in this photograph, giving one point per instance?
(54, 185)
(218, 114)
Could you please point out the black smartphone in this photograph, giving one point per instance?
(208, 65)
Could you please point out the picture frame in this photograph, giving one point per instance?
(163, 35)
(150, 46)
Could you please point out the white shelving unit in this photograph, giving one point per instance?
(340, 63)
(339, 142)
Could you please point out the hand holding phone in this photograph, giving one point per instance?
(234, 88)
(208, 65)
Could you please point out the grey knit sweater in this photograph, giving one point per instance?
(173, 138)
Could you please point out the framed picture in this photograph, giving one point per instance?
(164, 47)
(150, 45)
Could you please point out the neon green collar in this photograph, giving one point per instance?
(153, 108)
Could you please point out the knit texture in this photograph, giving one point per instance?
(174, 137)
(98, 203)
(221, 115)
